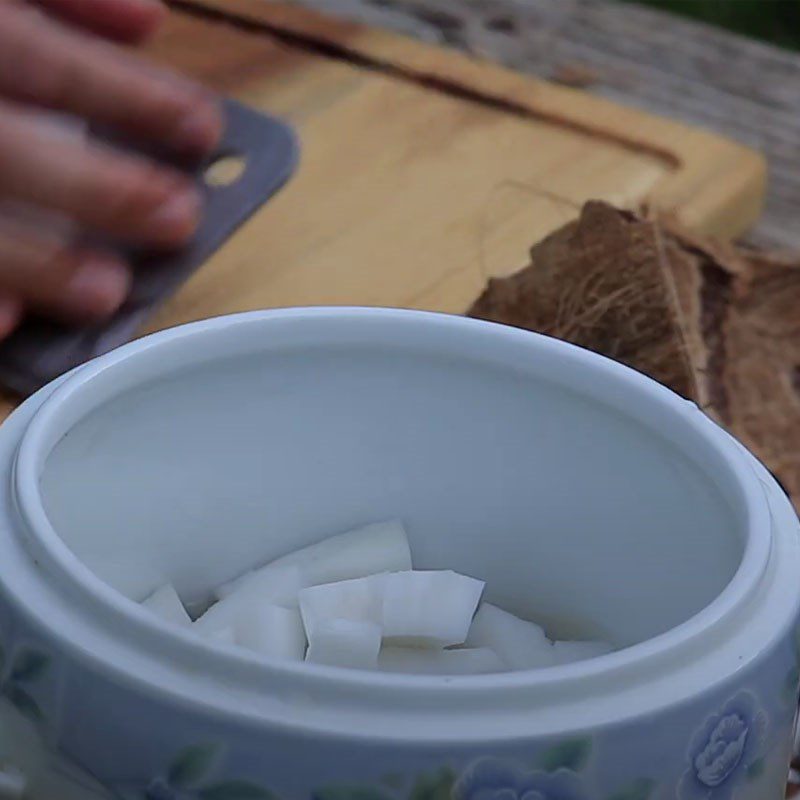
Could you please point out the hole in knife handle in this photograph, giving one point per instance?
(225, 170)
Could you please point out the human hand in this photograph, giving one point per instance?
(53, 56)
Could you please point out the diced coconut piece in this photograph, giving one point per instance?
(165, 604)
(12, 784)
(345, 643)
(379, 547)
(272, 631)
(569, 652)
(356, 599)
(281, 589)
(223, 636)
(229, 587)
(269, 580)
(429, 608)
(427, 661)
(519, 644)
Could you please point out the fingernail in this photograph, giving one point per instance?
(176, 219)
(98, 286)
(200, 129)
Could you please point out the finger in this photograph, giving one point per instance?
(44, 273)
(122, 20)
(11, 311)
(49, 64)
(99, 188)
(38, 218)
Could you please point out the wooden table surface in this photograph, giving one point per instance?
(743, 89)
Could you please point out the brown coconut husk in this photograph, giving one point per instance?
(718, 324)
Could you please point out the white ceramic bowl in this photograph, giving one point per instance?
(586, 496)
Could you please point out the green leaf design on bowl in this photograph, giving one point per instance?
(572, 754)
(790, 685)
(23, 702)
(349, 793)
(434, 786)
(394, 780)
(755, 770)
(29, 665)
(191, 765)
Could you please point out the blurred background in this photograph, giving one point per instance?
(776, 21)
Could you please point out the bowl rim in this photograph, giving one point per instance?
(105, 601)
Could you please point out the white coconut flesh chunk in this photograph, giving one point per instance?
(229, 587)
(165, 604)
(279, 582)
(429, 608)
(375, 548)
(280, 588)
(356, 599)
(345, 643)
(519, 644)
(427, 661)
(379, 547)
(570, 652)
(273, 631)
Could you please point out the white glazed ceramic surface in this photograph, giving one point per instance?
(584, 494)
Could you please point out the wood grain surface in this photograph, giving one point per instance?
(701, 75)
(423, 171)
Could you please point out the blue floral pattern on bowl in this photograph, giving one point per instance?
(189, 778)
(493, 779)
(725, 750)
(740, 748)
(18, 674)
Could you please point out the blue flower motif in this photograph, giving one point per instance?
(492, 779)
(723, 749)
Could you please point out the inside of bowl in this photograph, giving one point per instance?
(577, 512)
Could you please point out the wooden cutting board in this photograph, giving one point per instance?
(423, 172)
